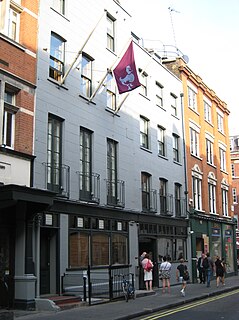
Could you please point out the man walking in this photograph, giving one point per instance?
(208, 265)
(200, 268)
(182, 276)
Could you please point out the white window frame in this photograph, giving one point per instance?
(159, 95)
(192, 98)
(194, 142)
(212, 193)
(57, 57)
(197, 192)
(233, 170)
(225, 202)
(173, 103)
(222, 156)
(144, 132)
(176, 155)
(59, 6)
(207, 111)
(234, 195)
(212, 198)
(86, 75)
(220, 123)
(197, 188)
(161, 141)
(143, 77)
(111, 93)
(209, 151)
(8, 127)
(224, 192)
(10, 15)
(110, 32)
(8, 120)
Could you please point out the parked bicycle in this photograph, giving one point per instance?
(128, 287)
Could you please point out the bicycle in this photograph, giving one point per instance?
(128, 288)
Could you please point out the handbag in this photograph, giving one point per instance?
(160, 275)
(185, 274)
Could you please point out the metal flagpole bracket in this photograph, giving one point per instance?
(81, 49)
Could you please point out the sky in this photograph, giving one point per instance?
(207, 31)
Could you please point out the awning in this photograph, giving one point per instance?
(36, 200)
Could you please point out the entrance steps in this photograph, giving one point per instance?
(58, 303)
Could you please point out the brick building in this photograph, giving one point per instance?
(18, 201)
(208, 168)
(234, 148)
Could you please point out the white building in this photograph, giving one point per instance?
(119, 175)
(115, 162)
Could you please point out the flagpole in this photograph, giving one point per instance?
(107, 72)
(80, 51)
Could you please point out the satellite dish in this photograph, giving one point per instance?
(185, 58)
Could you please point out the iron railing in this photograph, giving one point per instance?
(115, 193)
(89, 187)
(97, 284)
(57, 179)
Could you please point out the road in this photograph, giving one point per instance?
(224, 306)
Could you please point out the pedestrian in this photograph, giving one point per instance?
(141, 258)
(200, 268)
(165, 273)
(182, 276)
(147, 265)
(219, 271)
(224, 269)
(208, 265)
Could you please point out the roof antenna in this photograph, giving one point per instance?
(171, 18)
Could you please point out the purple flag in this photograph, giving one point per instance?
(125, 72)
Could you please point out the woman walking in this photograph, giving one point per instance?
(220, 270)
(165, 270)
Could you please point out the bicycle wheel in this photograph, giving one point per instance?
(132, 292)
(125, 291)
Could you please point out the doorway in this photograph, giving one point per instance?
(149, 246)
(48, 259)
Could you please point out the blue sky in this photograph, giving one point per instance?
(207, 31)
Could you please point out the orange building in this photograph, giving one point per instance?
(207, 153)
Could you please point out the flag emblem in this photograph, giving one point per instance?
(125, 72)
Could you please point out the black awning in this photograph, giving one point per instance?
(36, 200)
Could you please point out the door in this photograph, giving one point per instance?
(45, 262)
(7, 260)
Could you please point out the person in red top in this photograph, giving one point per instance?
(148, 274)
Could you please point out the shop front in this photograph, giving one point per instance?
(216, 236)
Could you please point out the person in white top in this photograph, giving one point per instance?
(165, 270)
(147, 265)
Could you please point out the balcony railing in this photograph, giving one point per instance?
(166, 204)
(89, 187)
(57, 179)
(180, 208)
(149, 201)
(115, 193)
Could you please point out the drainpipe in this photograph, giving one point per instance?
(190, 232)
(38, 226)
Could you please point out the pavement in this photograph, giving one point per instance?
(145, 303)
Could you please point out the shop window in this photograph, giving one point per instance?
(79, 249)
(100, 249)
(119, 249)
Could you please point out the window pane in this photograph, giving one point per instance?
(119, 249)
(100, 249)
(79, 250)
